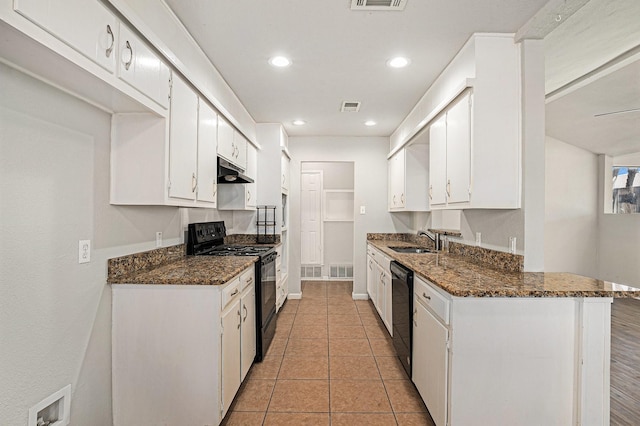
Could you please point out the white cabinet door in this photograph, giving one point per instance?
(252, 171)
(398, 180)
(372, 274)
(207, 153)
(140, 67)
(230, 354)
(459, 150)
(380, 293)
(85, 25)
(284, 168)
(226, 147)
(183, 141)
(430, 361)
(248, 330)
(387, 319)
(438, 162)
(240, 150)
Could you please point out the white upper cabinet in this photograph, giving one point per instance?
(87, 26)
(284, 169)
(459, 150)
(183, 141)
(473, 111)
(408, 177)
(232, 146)
(450, 155)
(396, 181)
(438, 162)
(240, 153)
(141, 68)
(207, 153)
(226, 146)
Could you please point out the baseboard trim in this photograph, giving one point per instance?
(360, 296)
(294, 296)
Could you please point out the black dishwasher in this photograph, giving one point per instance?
(402, 313)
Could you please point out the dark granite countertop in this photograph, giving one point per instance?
(190, 270)
(462, 278)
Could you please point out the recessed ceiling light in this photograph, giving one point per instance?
(398, 62)
(280, 61)
(370, 123)
(299, 122)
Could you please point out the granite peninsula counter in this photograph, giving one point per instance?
(495, 345)
(463, 278)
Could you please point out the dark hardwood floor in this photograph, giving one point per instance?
(625, 362)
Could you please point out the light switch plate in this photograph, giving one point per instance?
(158, 239)
(362, 210)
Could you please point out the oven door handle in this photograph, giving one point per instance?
(246, 313)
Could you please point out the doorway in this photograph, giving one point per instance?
(327, 220)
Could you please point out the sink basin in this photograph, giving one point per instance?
(412, 250)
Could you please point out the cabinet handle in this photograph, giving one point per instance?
(239, 319)
(425, 296)
(215, 188)
(415, 314)
(448, 187)
(370, 264)
(283, 178)
(234, 293)
(248, 195)
(431, 192)
(194, 182)
(113, 41)
(246, 313)
(127, 64)
(394, 200)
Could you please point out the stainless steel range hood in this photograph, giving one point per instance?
(230, 173)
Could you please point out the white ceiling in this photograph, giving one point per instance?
(593, 67)
(338, 54)
(572, 118)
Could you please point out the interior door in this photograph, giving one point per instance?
(311, 218)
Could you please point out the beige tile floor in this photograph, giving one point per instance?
(331, 363)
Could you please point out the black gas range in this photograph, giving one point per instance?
(207, 239)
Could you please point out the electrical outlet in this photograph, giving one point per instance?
(158, 239)
(84, 251)
(478, 238)
(512, 245)
(362, 210)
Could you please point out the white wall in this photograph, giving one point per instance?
(618, 238)
(369, 155)
(55, 314)
(571, 209)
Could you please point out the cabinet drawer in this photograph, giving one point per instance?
(437, 303)
(230, 291)
(379, 258)
(246, 278)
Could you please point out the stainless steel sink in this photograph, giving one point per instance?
(412, 250)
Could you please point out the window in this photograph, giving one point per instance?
(626, 189)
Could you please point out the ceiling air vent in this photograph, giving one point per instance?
(378, 4)
(350, 106)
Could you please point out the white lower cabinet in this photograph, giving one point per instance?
(248, 327)
(511, 360)
(230, 346)
(430, 360)
(180, 352)
(379, 285)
